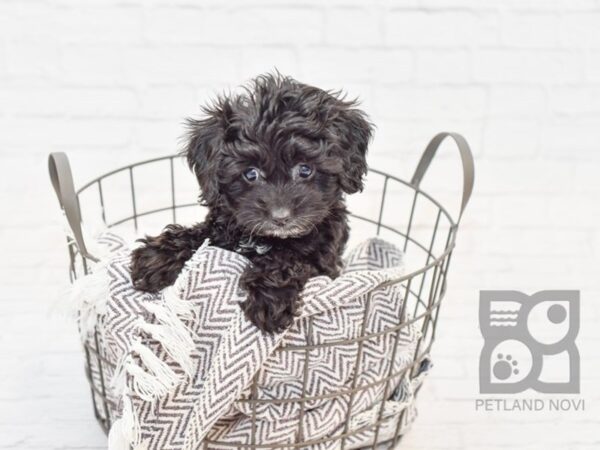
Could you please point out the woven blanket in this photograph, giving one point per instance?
(184, 369)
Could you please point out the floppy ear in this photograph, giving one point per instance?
(352, 133)
(206, 138)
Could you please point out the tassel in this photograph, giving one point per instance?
(155, 365)
(147, 386)
(88, 297)
(181, 308)
(117, 437)
(118, 381)
(172, 334)
(125, 432)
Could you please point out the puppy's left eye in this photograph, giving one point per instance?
(251, 174)
(304, 171)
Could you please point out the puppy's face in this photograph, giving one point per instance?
(280, 188)
(279, 156)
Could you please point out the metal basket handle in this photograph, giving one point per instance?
(467, 163)
(62, 181)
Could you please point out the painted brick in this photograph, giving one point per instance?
(442, 29)
(527, 66)
(110, 81)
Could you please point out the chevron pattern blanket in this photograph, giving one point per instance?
(185, 370)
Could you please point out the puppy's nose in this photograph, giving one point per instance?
(280, 215)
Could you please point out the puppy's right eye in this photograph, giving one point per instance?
(251, 174)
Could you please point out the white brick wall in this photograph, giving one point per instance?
(110, 81)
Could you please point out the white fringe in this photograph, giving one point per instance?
(181, 308)
(155, 365)
(88, 296)
(172, 335)
(125, 432)
(145, 385)
(156, 378)
(118, 382)
(150, 382)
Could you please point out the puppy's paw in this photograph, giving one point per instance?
(271, 309)
(152, 271)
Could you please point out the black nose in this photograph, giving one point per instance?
(280, 215)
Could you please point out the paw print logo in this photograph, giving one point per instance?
(505, 367)
(529, 342)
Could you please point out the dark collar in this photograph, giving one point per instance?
(249, 245)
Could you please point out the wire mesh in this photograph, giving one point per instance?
(427, 240)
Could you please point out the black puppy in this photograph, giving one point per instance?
(273, 165)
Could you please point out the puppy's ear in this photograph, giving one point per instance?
(206, 138)
(352, 132)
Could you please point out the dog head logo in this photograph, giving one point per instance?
(529, 342)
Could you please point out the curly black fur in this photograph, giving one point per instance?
(279, 127)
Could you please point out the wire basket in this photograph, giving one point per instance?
(425, 231)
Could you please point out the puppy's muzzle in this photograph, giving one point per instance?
(280, 215)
